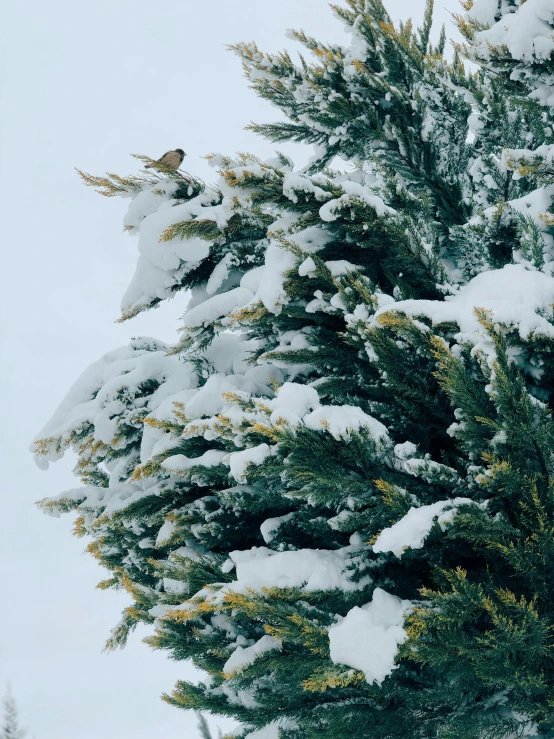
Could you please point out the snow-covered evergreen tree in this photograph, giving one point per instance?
(11, 728)
(335, 492)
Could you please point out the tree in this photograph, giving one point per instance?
(203, 727)
(335, 492)
(11, 728)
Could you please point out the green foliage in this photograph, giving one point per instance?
(329, 284)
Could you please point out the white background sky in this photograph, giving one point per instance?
(85, 84)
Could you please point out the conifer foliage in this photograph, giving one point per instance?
(11, 727)
(335, 492)
(203, 727)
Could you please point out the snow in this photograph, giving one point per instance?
(166, 531)
(537, 202)
(179, 463)
(251, 279)
(239, 461)
(367, 638)
(413, 528)
(353, 192)
(339, 267)
(162, 263)
(271, 525)
(307, 268)
(309, 569)
(158, 262)
(312, 239)
(298, 404)
(217, 306)
(175, 587)
(110, 394)
(513, 294)
(527, 33)
(148, 201)
(405, 450)
(341, 420)
(239, 697)
(210, 400)
(292, 402)
(271, 291)
(295, 182)
(484, 11)
(243, 656)
(219, 274)
(102, 393)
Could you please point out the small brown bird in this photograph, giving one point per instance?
(170, 160)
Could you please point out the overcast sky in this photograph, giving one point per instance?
(85, 84)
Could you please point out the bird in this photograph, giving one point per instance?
(170, 160)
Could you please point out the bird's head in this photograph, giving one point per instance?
(181, 152)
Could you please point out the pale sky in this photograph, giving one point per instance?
(86, 84)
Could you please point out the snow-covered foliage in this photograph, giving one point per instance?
(334, 492)
(367, 638)
(517, 37)
(413, 528)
